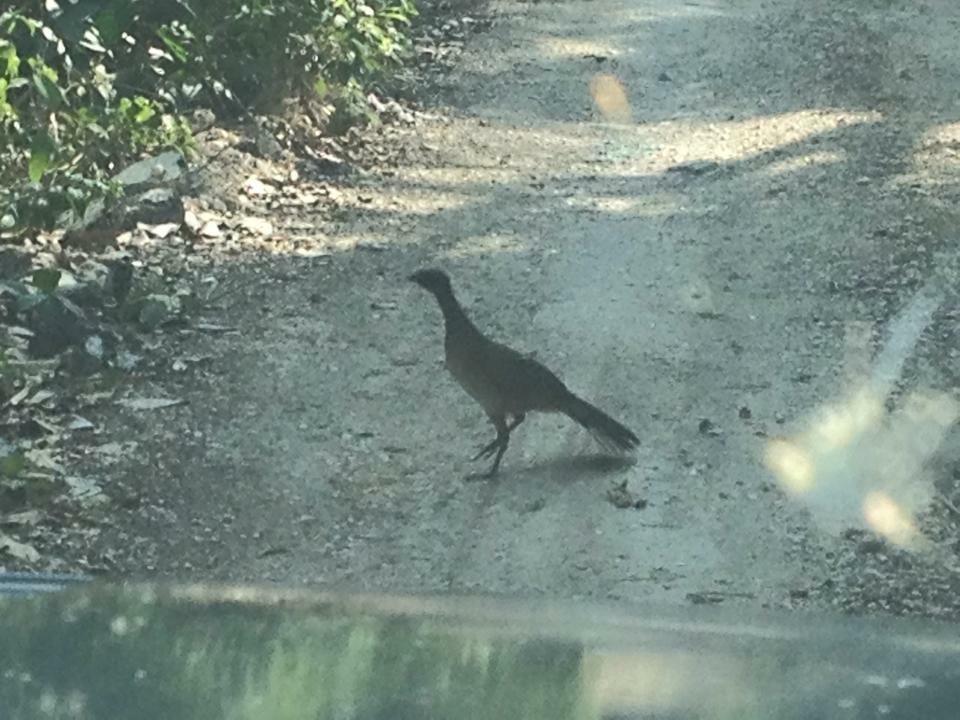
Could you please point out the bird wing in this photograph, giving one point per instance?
(520, 382)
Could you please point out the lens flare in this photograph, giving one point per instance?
(792, 465)
(610, 98)
(887, 517)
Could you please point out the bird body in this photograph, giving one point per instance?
(506, 383)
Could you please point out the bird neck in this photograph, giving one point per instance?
(454, 318)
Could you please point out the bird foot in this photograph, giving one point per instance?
(477, 476)
(487, 450)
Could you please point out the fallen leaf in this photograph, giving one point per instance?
(161, 231)
(39, 397)
(44, 458)
(18, 550)
(27, 517)
(18, 398)
(255, 187)
(48, 427)
(85, 489)
(214, 328)
(18, 331)
(111, 452)
(150, 403)
(80, 423)
(94, 398)
(211, 229)
(193, 223)
(257, 226)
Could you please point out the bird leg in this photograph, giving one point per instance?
(499, 444)
(488, 449)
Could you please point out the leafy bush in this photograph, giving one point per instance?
(86, 86)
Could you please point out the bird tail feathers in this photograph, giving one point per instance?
(607, 431)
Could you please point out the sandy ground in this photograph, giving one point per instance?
(785, 173)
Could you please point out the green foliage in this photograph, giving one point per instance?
(46, 280)
(87, 86)
(64, 125)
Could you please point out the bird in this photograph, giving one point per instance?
(507, 384)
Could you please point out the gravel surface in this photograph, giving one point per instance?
(695, 260)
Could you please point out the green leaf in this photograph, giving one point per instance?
(45, 81)
(108, 27)
(12, 461)
(41, 153)
(8, 53)
(46, 279)
(320, 86)
(176, 49)
(145, 111)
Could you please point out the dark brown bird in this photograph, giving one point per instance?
(508, 384)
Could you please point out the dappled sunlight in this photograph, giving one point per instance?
(562, 47)
(638, 206)
(480, 245)
(803, 162)
(499, 149)
(409, 200)
(686, 141)
(936, 158)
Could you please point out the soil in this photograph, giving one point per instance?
(691, 257)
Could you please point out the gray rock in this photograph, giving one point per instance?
(267, 145)
(96, 352)
(119, 280)
(77, 361)
(14, 263)
(93, 345)
(157, 309)
(160, 205)
(202, 119)
(84, 294)
(149, 198)
(165, 168)
(56, 323)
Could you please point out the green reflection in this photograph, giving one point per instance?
(128, 655)
(205, 654)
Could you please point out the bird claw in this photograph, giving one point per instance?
(487, 450)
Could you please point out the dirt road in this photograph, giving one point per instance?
(694, 269)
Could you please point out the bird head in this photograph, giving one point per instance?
(436, 281)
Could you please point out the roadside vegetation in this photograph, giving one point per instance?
(108, 249)
(88, 86)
